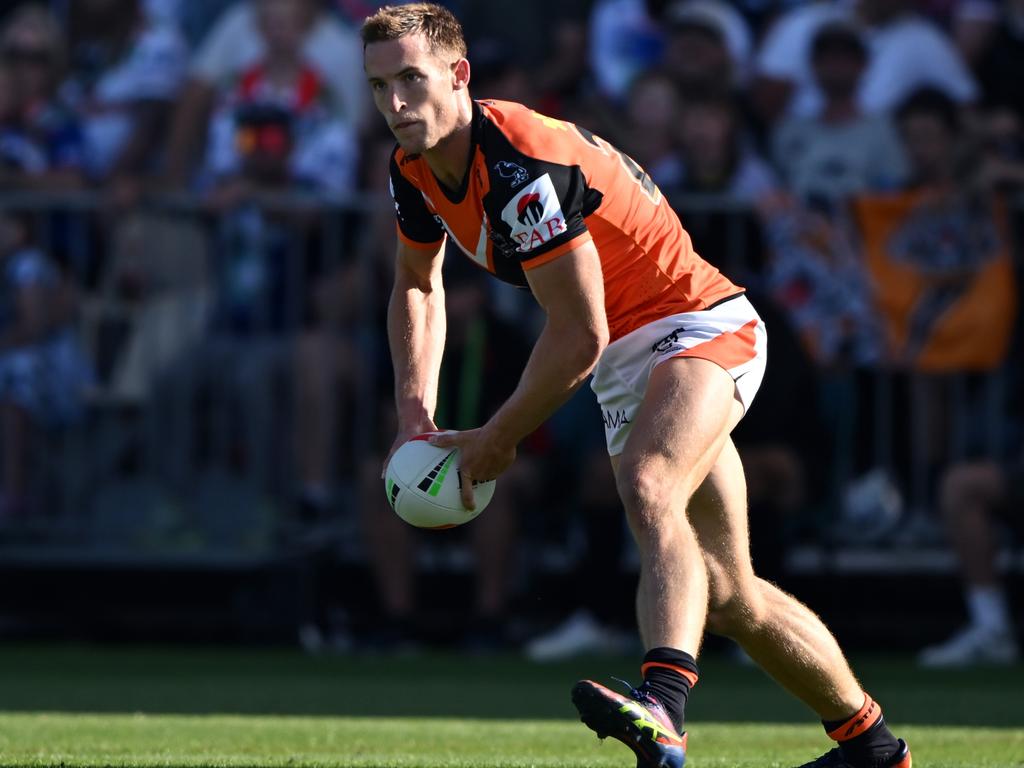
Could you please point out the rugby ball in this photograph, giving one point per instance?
(423, 486)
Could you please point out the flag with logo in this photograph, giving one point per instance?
(942, 277)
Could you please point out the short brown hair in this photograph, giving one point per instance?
(435, 22)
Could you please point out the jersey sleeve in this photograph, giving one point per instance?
(417, 226)
(537, 208)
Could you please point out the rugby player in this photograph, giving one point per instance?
(676, 351)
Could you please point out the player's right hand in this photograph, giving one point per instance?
(405, 434)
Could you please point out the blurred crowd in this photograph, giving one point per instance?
(196, 239)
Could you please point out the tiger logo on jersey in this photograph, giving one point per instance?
(535, 215)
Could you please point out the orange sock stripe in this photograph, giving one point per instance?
(688, 674)
(866, 717)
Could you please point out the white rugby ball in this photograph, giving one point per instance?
(423, 486)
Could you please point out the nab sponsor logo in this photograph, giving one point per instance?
(530, 209)
(515, 174)
(534, 215)
(615, 419)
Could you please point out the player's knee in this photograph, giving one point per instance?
(645, 494)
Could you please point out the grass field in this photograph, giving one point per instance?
(78, 707)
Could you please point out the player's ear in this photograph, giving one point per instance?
(460, 74)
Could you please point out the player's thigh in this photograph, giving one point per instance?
(687, 411)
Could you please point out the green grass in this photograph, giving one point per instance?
(83, 707)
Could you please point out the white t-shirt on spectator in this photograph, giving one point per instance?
(235, 43)
(152, 70)
(836, 161)
(908, 54)
(905, 55)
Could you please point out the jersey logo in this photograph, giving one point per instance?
(550, 122)
(534, 215)
(516, 173)
(529, 209)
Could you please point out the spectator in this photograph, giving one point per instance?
(841, 151)
(707, 45)
(938, 253)
(816, 274)
(126, 71)
(1001, 51)
(33, 51)
(1001, 120)
(236, 44)
(973, 26)
(906, 52)
(275, 132)
(275, 127)
(44, 375)
(653, 109)
(716, 155)
(974, 497)
(625, 39)
(20, 156)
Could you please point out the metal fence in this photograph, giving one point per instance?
(186, 448)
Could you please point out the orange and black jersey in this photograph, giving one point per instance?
(537, 188)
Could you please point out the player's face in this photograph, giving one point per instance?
(415, 89)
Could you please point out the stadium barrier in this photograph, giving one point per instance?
(185, 450)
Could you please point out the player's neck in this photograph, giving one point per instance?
(449, 159)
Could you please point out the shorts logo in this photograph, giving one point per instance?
(516, 173)
(534, 215)
(665, 344)
(615, 419)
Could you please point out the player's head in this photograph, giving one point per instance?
(415, 61)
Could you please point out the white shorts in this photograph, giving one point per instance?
(729, 334)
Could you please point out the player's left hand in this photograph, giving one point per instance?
(481, 457)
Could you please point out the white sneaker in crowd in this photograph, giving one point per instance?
(579, 634)
(973, 645)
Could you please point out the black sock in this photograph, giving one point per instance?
(669, 674)
(873, 745)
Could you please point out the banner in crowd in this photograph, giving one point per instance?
(943, 279)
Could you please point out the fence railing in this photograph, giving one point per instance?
(219, 336)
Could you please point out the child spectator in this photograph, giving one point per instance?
(236, 44)
(276, 126)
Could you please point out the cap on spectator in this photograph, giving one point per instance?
(718, 18)
(839, 36)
